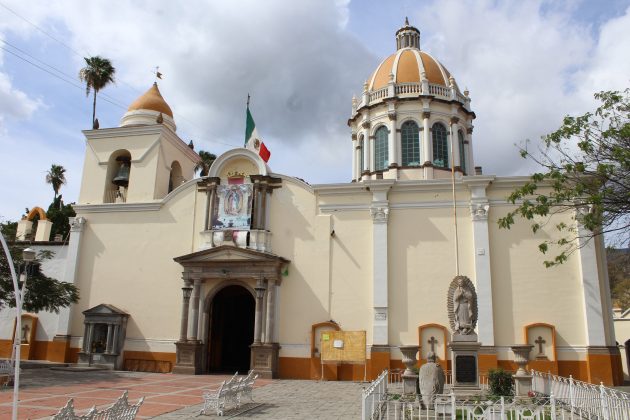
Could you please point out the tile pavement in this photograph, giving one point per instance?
(175, 397)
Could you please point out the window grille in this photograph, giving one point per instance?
(381, 159)
(462, 151)
(410, 144)
(440, 146)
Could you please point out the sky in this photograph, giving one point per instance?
(526, 64)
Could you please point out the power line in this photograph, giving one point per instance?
(66, 75)
(63, 79)
(67, 78)
(38, 28)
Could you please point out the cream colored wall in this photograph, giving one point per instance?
(127, 261)
(525, 292)
(422, 266)
(98, 152)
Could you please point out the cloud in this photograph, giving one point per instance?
(14, 104)
(518, 60)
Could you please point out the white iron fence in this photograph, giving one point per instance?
(553, 398)
(584, 399)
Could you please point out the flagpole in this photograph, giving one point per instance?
(454, 203)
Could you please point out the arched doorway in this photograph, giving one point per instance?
(231, 330)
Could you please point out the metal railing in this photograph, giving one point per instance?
(582, 398)
(374, 395)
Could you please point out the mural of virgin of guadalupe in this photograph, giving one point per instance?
(233, 202)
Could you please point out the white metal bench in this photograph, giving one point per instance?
(229, 392)
(7, 370)
(120, 410)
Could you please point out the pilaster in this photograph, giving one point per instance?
(593, 311)
(61, 341)
(479, 209)
(379, 210)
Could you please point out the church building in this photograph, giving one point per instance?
(248, 269)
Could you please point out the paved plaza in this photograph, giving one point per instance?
(44, 391)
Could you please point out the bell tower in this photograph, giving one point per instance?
(140, 161)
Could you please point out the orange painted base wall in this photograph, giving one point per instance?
(597, 368)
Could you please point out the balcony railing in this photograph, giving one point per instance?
(415, 89)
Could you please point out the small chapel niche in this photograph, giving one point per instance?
(176, 178)
(28, 332)
(105, 328)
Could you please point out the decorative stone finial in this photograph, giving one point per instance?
(365, 86)
(466, 92)
(406, 21)
(159, 119)
(191, 145)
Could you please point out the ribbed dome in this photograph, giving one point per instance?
(407, 65)
(152, 100)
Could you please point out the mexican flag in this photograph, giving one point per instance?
(252, 141)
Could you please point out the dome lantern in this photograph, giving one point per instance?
(407, 37)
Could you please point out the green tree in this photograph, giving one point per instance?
(56, 176)
(42, 292)
(619, 276)
(585, 173)
(205, 162)
(97, 74)
(58, 214)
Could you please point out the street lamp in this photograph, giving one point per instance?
(28, 256)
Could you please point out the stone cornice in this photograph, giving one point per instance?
(117, 207)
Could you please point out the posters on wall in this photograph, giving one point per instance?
(234, 207)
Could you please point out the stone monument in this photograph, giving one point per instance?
(462, 315)
(431, 380)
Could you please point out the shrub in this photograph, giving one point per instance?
(500, 382)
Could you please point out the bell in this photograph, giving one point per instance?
(122, 177)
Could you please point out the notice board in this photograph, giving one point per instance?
(343, 347)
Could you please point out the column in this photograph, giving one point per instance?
(88, 338)
(379, 211)
(77, 226)
(593, 314)
(110, 332)
(271, 310)
(186, 290)
(86, 332)
(427, 150)
(479, 208)
(194, 311)
(469, 155)
(262, 224)
(211, 194)
(393, 138)
(455, 143)
(260, 292)
(355, 161)
(115, 339)
(366, 150)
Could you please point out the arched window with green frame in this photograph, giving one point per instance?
(410, 144)
(440, 146)
(462, 151)
(381, 158)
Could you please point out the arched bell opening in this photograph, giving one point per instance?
(117, 177)
(176, 178)
(231, 330)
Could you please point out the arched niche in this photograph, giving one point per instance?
(176, 178)
(242, 161)
(438, 334)
(543, 356)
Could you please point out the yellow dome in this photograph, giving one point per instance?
(152, 100)
(407, 66)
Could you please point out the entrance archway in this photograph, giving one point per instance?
(231, 330)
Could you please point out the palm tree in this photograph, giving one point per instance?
(56, 176)
(97, 74)
(205, 162)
